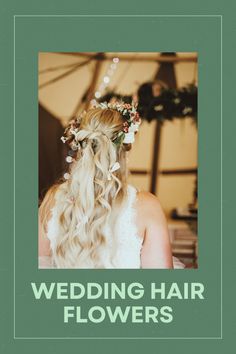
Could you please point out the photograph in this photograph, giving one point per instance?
(118, 160)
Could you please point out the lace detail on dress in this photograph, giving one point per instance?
(129, 243)
(122, 251)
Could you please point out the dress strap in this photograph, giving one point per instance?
(130, 213)
(132, 195)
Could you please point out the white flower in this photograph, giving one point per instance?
(74, 131)
(103, 105)
(129, 138)
(134, 128)
(113, 168)
(69, 159)
(64, 139)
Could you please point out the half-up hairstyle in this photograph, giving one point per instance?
(83, 207)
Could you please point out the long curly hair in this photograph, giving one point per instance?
(85, 206)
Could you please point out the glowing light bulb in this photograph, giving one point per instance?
(97, 94)
(106, 79)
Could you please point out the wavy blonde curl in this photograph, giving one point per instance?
(89, 195)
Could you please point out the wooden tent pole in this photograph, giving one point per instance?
(165, 73)
(156, 156)
(65, 74)
(89, 91)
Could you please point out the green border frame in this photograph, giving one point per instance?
(221, 276)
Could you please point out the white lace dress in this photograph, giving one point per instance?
(128, 245)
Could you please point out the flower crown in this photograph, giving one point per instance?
(131, 124)
(125, 136)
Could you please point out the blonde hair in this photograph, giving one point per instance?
(87, 203)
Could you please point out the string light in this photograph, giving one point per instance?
(105, 80)
(110, 72)
(97, 94)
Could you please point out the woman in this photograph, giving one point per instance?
(94, 219)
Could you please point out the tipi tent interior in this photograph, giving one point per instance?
(163, 159)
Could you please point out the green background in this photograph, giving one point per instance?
(126, 33)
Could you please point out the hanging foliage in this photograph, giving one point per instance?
(166, 105)
(169, 104)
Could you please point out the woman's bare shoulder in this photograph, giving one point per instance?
(149, 208)
(156, 250)
(147, 200)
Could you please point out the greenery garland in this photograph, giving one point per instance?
(169, 104)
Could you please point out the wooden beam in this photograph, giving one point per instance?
(144, 57)
(177, 171)
(139, 172)
(180, 171)
(65, 74)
